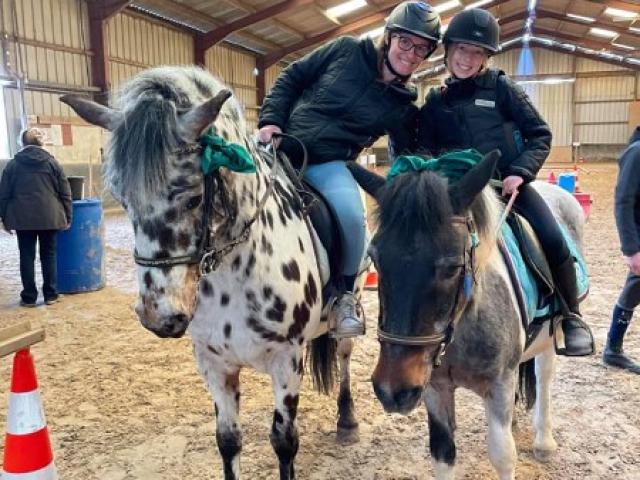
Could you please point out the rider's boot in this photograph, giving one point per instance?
(348, 324)
(578, 338)
(613, 353)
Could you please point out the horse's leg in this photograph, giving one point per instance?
(440, 403)
(498, 406)
(544, 445)
(347, 423)
(286, 378)
(226, 394)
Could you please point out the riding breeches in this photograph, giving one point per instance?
(531, 206)
(338, 187)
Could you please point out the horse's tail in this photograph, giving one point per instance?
(321, 355)
(527, 383)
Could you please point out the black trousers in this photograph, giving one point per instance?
(531, 206)
(46, 240)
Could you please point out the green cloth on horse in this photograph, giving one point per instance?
(217, 152)
(452, 165)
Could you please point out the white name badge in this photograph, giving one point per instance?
(485, 103)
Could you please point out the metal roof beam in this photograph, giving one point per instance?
(541, 13)
(219, 33)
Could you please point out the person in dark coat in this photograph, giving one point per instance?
(339, 100)
(627, 211)
(35, 201)
(482, 108)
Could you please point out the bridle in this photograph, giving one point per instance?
(207, 255)
(467, 278)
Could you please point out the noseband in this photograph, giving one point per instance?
(465, 289)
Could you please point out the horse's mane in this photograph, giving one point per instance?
(141, 146)
(419, 203)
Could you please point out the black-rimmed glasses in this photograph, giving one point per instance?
(421, 50)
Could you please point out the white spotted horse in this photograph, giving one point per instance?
(228, 254)
(449, 311)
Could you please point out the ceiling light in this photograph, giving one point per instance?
(376, 32)
(477, 4)
(581, 18)
(443, 7)
(619, 13)
(548, 81)
(435, 58)
(601, 32)
(635, 29)
(622, 45)
(344, 8)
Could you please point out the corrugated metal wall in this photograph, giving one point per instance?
(53, 38)
(136, 43)
(236, 69)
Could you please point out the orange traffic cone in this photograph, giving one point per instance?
(552, 178)
(27, 451)
(371, 283)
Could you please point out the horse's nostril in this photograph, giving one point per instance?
(178, 319)
(408, 397)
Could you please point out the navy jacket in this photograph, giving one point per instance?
(627, 197)
(34, 192)
(486, 112)
(335, 103)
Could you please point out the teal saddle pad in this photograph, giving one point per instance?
(537, 307)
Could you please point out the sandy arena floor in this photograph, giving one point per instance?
(122, 404)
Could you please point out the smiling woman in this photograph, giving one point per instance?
(339, 100)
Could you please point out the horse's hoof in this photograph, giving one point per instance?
(543, 456)
(348, 436)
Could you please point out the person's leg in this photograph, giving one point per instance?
(27, 247)
(334, 181)
(622, 313)
(47, 243)
(578, 338)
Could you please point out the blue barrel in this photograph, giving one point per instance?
(81, 249)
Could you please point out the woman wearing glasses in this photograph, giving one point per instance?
(482, 108)
(339, 100)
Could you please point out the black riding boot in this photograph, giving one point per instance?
(613, 354)
(578, 338)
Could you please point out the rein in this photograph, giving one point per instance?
(463, 296)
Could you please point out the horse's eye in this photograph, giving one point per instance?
(194, 202)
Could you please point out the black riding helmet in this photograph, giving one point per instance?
(476, 27)
(416, 18)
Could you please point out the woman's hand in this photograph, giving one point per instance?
(633, 262)
(511, 184)
(266, 132)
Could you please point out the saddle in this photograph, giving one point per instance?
(532, 253)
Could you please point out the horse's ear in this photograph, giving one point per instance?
(199, 117)
(370, 181)
(93, 112)
(471, 184)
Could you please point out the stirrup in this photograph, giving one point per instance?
(579, 324)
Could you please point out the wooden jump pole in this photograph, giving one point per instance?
(17, 337)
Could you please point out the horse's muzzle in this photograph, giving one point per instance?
(165, 326)
(399, 401)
